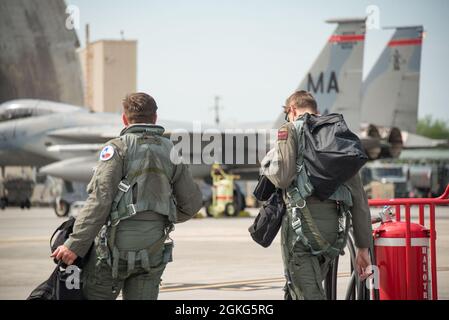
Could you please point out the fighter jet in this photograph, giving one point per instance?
(391, 90)
(38, 133)
(336, 86)
(65, 139)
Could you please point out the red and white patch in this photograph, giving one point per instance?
(282, 135)
(107, 153)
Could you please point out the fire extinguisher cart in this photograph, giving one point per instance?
(405, 250)
(403, 253)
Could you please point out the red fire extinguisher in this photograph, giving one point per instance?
(391, 260)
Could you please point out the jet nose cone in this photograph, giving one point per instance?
(77, 169)
(54, 169)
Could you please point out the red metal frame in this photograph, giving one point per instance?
(421, 203)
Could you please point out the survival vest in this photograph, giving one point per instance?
(146, 187)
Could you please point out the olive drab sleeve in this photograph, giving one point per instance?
(282, 167)
(188, 197)
(361, 216)
(102, 189)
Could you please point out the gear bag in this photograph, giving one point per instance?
(269, 220)
(65, 283)
(332, 153)
(60, 236)
(264, 189)
(61, 285)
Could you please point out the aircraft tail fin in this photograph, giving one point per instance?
(336, 75)
(391, 90)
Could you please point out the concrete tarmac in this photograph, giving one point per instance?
(213, 258)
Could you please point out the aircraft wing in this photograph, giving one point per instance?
(103, 133)
(93, 147)
(94, 134)
(25, 108)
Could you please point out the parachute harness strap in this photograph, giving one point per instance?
(117, 213)
(302, 221)
(132, 256)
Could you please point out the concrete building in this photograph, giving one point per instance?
(110, 72)
(38, 57)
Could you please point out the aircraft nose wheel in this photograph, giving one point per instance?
(61, 208)
(355, 288)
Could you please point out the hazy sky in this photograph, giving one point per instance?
(253, 54)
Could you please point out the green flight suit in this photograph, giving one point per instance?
(139, 275)
(307, 271)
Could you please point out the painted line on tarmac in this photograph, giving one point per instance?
(223, 285)
(187, 287)
(24, 239)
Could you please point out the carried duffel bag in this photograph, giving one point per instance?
(332, 154)
(269, 220)
(65, 282)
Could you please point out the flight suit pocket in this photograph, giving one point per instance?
(167, 255)
(102, 274)
(306, 275)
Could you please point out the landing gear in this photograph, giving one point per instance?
(61, 208)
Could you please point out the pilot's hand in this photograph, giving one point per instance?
(363, 261)
(65, 254)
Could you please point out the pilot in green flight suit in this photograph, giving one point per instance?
(306, 271)
(136, 195)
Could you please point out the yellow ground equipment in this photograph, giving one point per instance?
(222, 193)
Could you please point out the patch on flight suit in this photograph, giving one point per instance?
(282, 135)
(106, 153)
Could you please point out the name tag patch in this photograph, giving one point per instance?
(282, 135)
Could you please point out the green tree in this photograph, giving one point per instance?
(433, 128)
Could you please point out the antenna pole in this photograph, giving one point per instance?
(217, 110)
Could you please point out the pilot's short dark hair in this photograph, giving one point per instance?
(139, 107)
(302, 100)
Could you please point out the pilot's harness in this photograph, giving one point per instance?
(107, 248)
(302, 221)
